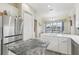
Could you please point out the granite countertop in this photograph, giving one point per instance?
(31, 46)
(73, 37)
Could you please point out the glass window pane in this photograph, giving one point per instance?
(54, 26)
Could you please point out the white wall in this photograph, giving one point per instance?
(67, 28)
(28, 17)
(27, 8)
(77, 15)
(30, 22)
(28, 26)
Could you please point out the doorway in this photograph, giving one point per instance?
(35, 28)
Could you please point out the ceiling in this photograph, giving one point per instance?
(57, 8)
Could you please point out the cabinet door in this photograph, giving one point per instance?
(53, 46)
(63, 45)
(75, 48)
(69, 46)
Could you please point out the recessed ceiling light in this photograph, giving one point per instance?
(49, 6)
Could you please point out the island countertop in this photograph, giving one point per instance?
(73, 37)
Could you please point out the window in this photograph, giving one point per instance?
(54, 27)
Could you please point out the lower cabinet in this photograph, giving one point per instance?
(75, 48)
(64, 45)
(61, 45)
(54, 44)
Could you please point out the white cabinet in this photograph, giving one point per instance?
(54, 44)
(65, 45)
(69, 46)
(59, 44)
(62, 45)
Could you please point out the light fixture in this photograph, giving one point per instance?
(49, 6)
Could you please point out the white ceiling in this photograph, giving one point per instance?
(58, 8)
